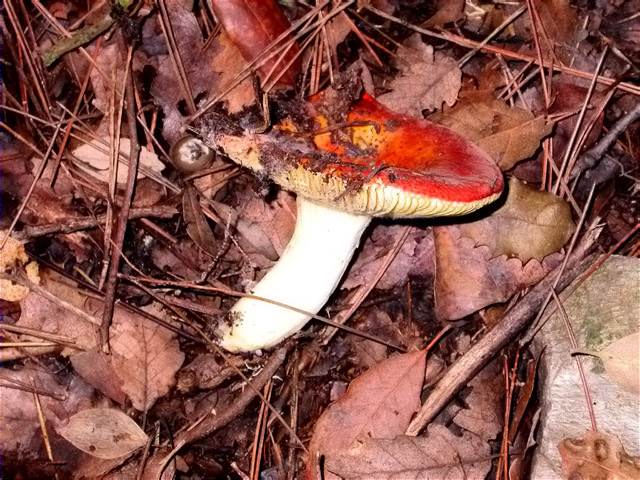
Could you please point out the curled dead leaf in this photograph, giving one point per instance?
(530, 224)
(509, 135)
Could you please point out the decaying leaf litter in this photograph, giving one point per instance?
(111, 364)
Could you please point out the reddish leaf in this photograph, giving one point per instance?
(469, 278)
(252, 26)
(505, 252)
(378, 404)
(146, 357)
(483, 413)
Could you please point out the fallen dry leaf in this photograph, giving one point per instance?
(20, 431)
(104, 433)
(264, 229)
(368, 353)
(531, 224)
(40, 313)
(448, 11)
(96, 369)
(438, 455)
(509, 135)
(209, 70)
(426, 80)
(13, 255)
(146, 357)
(228, 63)
(205, 372)
(560, 23)
(378, 404)
(93, 158)
(111, 64)
(469, 278)
(197, 61)
(198, 227)
(416, 258)
(254, 26)
(569, 97)
(483, 412)
(337, 29)
(621, 360)
(597, 455)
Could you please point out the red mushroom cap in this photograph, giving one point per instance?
(414, 155)
(372, 161)
(388, 164)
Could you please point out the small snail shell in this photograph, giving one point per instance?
(191, 155)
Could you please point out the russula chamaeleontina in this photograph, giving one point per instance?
(372, 163)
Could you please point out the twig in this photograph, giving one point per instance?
(78, 39)
(123, 215)
(590, 158)
(214, 421)
(43, 426)
(75, 224)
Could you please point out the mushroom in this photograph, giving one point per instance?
(375, 163)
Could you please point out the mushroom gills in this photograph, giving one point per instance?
(308, 271)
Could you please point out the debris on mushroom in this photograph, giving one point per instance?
(369, 162)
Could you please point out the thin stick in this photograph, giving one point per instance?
(123, 215)
(590, 158)
(75, 224)
(43, 425)
(234, 293)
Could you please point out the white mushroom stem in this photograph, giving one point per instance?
(304, 277)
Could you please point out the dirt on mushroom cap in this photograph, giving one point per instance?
(372, 161)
